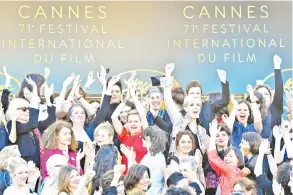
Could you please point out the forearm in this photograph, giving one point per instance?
(272, 164)
(277, 151)
(90, 110)
(289, 146)
(231, 119)
(259, 164)
(140, 111)
(212, 143)
(170, 105)
(13, 134)
(257, 117)
(224, 101)
(115, 118)
(278, 96)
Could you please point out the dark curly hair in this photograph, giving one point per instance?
(283, 176)
(135, 173)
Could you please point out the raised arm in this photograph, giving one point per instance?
(255, 110)
(262, 179)
(224, 101)
(171, 108)
(229, 121)
(138, 107)
(115, 118)
(286, 127)
(279, 90)
(5, 92)
(278, 153)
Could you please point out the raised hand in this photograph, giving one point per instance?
(33, 84)
(7, 77)
(69, 80)
(113, 81)
(277, 188)
(222, 75)
(259, 82)
(277, 62)
(169, 69)
(102, 76)
(286, 127)
(90, 80)
(79, 155)
(47, 73)
(119, 170)
(277, 132)
(213, 128)
(265, 146)
(48, 90)
(250, 91)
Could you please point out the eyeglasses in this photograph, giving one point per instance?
(258, 102)
(23, 108)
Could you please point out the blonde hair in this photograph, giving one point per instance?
(15, 163)
(64, 178)
(105, 126)
(189, 99)
(50, 136)
(14, 105)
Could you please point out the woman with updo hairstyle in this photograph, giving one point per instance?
(178, 96)
(244, 186)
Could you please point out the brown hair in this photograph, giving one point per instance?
(238, 155)
(133, 112)
(50, 136)
(178, 95)
(254, 140)
(70, 111)
(64, 178)
(247, 185)
(180, 135)
(193, 84)
(106, 180)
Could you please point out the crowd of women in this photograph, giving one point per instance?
(165, 141)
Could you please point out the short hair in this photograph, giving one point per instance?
(106, 126)
(283, 175)
(247, 185)
(254, 140)
(106, 180)
(180, 135)
(178, 191)
(238, 154)
(132, 112)
(192, 84)
(134, 174)
(188, 99)
(14, 163)
(174, 178)
(56, 159)
(154, 89)
(191, 160)
(118, 83)
(70, 111)
(178, 95)
(158, 139)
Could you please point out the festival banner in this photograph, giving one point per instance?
(198, 36)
